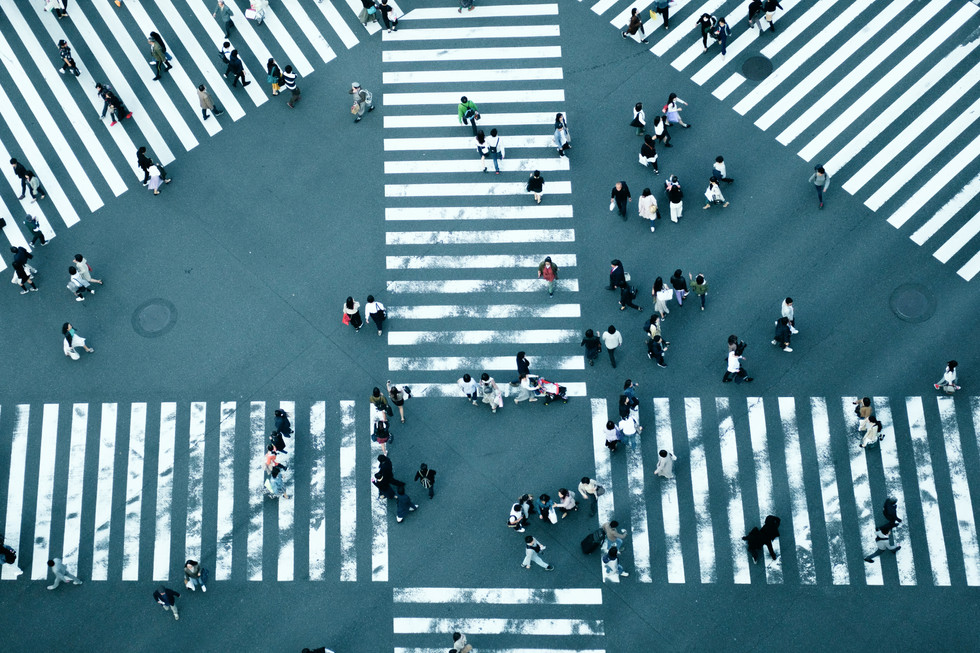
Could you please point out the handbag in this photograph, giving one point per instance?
(612, 205)
(627, 276)
(599, 490)
(270, 79)
(74, 355)
(353, 108)
(250, 14)
(388, 410)
(345, 319)
(552, 516)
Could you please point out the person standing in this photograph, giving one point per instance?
(589, 490)
(535, 185)
(289, 80)
(273, 75)
(159, 57)
(352, 314)
(61, 574)
(467, 111)
(195, 576)
(469, 388)
(673, 110)
(404, 505)
(763, 537)
(890, 511)
(398, 397)
(647, 206)
(560, 138)
(872, 434)
(459, 643)
(719, 172)
(660, 130)
(168, 599)
(787, 311)
(610, 563)
(363, 101)
(496, 149)
(635, 25)
(223, 13)
(532, 549)
(713, 195)
(620, 197)
(771, 7)
(947, 383)
(517, 519)
(662, 7)
(35, 227)
(722, 32)
(675, 197)
(388, 16)
(707, 23)
(648, 153)
(821, 181)
(665, 464)
(64, 51)
(781, 337)
(237, 68)
(612, 339)
(546, 509)
(700, 287)
(679, 284)
(427, 477)
(885, 541)
(548, 271)
(639, 115)
(376, 312)
(467, 4)
(592, 346)
(207, 102)
(491, 392)
(523, 367)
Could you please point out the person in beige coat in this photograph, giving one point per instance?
(84, 270)
(665, 466)
(207, 103)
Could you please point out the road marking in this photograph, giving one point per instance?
(348, 493)
(680, 33)
(489, 311)
(479, 75)
(893, 483)
(487, 363)
(603, 464)
(472, 189)
(458, 286)
(379, 516)
(15, 484)
(498, 596)
(727, 87)
(535, 212)
(312, 34)
(961, 491)
(956, 242)
(475, 166)
(971, 268)
(76, 486)
(460, 33)
(729, 468)
(196, 445)
(103, 492)
(451, 390)
(636, 489)
(862, 487)
(763, 482)
(484, 337)
(486, 11)
(699, 486)
(225, 522)
(45, 492)
(318, 492)
(402, 625)
(451, 98)
(476, 261)
(165, 491)
(797, 492)
(337, 23)
(668, 496)
(498, 236)
(927, 492)
(452, 120)
(829, 492)
(286, 556)
(283, 39)
(256, 489)
(948, 211)
(134, 492)
(471, 54)
(467, 143)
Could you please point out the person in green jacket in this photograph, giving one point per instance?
(700, 287)
(468, 111)
(159, 59)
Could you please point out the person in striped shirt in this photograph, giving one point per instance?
(289, 81)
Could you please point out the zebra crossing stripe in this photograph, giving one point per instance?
(622, 19)
(801, 25)
(797, 492)
(312, 34)
(636, 487)
(948, 211)
(498, 596)
(348, 493)
(474, 166)
(699, 486)
(729, 467)
(763, 481)
(286, 557)
(603, 5)
(451, 98)
(452, 120)
(972, 266)
(488, 11)
(472, 54)
(318, 492)
(472, 189)
(195, 480)
(481, 311)
(225, 522)
(481, 213)
(338, 24)
(283, 38)
(956, 242)
(406, 625)
(927, 491)
(45, 492)
(76, 476)
(165, 491)
(379, 516)
(603, 464)
(893, 483)
(399, 649)
(679, 33)
(15, 484)
(938, 181)
(483, 337)
(478, 261)
(10, 230)
(480, 75)
(461, 33)
(459, 286)
(256, 490)
(961, 491)
(498, 236)
(668, 496)
(829, 492)
(134, 492)
(103, 493)
(494, 363)
(728, 87)
(862, 487)
(467, 143)
(451, 390)
(695, 50)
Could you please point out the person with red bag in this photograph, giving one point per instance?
(352, 314)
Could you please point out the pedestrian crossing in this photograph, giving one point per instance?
(881, 93)
(499, 236)
(48, 120)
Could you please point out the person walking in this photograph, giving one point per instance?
(73, 340)
(735, 371)
(195, 576)
(207, 103)
(388, 16)
(23, 269)
(363, 101)
(648, 153)
(427, 477)
(675, 198)
(707, 24)
(496, 149)
(660, 130)
(612, 339)
(273, 75)
(613, 436)
(947, 383)
(763, 537)
(610, 563)
(700, 287)
(469, 387)
(369, 12)
(35, 228)
(144, 162)
(589, 490)
(721, 33)
(872, 434)
(398, 395)
(352, 314)
(781, 337)
(662, 7)
(112, 104)
(546, 509)
(561, 140)
(656, 349)
(275, 485)
(78, 285)
(532, 549)
(528, 390)
(237, 68)
(404, 505)
(535, 185)
(890, 511)
(225, 51)
(271, 462)
(679, 284)
(289, 80)
(620, 198)
(224, 15)
(635, 25)
(491, 393)
(719, 172)
(755, 13)
(34, 187)
(58, 7)
(863, 409)
(592, 344)
(653, 329)
(283, 426)
(665, 464)
(771, 6)
(661, 295)
(157, 178)
(885, 541)
(61, 574)
(468, 113)
(159, 56)
(639, 115)
(617, 276)
(673, 110)
(548, 271)
(379, 403)
(459, 643)
(626, 296)
(64, 51)
(517, 519)
(465, 4)
(376, 312)
(713, 195)
(821, 181)
(9, 557)
(21, 173)
(647, 206)
(482, 148)
(787, 310)
(168, 599)
(566, 502)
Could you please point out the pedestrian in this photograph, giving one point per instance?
(352, 314)
(629, 390)
(763, 537)
(610, 563)
(535, 185)
(884, 540)
(648, 153)
(628, 429)
(626, 296)
(771, 6)
(78, 285)
(612, 339)
(469, 388)
(665, 464)
(398, 395)
(58, 7)
(195, 576)
(237, 68)
(35, 227)
(565, 503)
(639, 115)
(73, 340)
(159, 56)
(21, 173)
(713, 195)
(467, 111)
(890, 511)
(491, 393)
(427, 477)
(64, 51)
(721, 33)
(61, 574)
(679, 284)
(207, 103)
(23, 269)
(223, 13)
(675, 197)
(289, 80)
(404, 505)
(275, 485)
(661, 295)
(482, 148)
(379, 403)
(225, 51)
(321, 649)
(560, 138)
(656, 349)
(278, 443)
(620, 198)
(144, 162)
(617, 276)
(34, 187)
(271, 460)
(368, 13)
(589, 490)
(873, 433)
(258, 8)
(755, 13)
(660, 130)
(517, 519)
(653, 329)
(735, 371)
(548, 271)
(459, 644)
(112, 103)
(821, 181)
(781, 337)
(592, 346)
(863, 409)
(528, 390)
(363, 101)
(282, 423)
(382, 434)
(787, 311)
(523, 367)
(700, 287)
(376, 312)
(496, 149)
(635, 25)
(673, 110)
(273, 75)
(168, 599)
(707, 23)
(9, 556)
(612, 436)
(467, 4)
(719, 172)
(647, 206)
(388, 16)
(947, 383)
(546, 509)
(662, 7)
(531, 550)
(157, 178)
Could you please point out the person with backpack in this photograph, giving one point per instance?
(363, 101)
(427, 477)
(626, 296)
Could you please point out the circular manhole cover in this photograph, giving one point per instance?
(912, 302)
(154, 318)
(757, 68)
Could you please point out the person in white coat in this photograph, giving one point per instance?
(259, 7)
(648, 207)
(948, 382)
(665, 465)
(787, 311)
(71, 340)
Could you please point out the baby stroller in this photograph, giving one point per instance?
(552, 391)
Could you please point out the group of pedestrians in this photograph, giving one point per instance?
(275, 481)
(375, 310)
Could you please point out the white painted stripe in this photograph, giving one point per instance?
(479, 75)
(727, 87)
(498, 596)
(956, 242)
(486, 363)
(522, 53)
(284, 39)
(927, 492)
(441, 390)
(402, 625)
(622, 20)
(534, 212)
(550, 164)
(639, 529)
(205, 63)
(466, 143)
(797, 492)
(603, 464)
(379, 516)
(484, 337)
(801, 25)
(103, 493)
(472, 189)
(452, 120)
(965, 522)
(862, 487)
(337, 23)
(681, 32)
(851, 115)
(477, 261)
(15, 484)
(668, 495)
(226, 492)
(971, 268)
(195, 479)
(787, 70)
(602, 6)
(491, 311)
(829, 492)
(348, 493)
(256, 489)
(485, 11)
(460, 33)
(313, 35)
(729, 468)
(699, 486)
(76, 487)
(134, 492)
(165, 491)
(45, 493)
(318, 491)
(893, 482)
(451, 98)
(763, 482)
(714, 64)
(399, 649)
(286, 557)
(499, 236)
(459, 286)
(948, 210)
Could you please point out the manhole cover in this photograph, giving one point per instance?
(154, 318)
(912, 302)
(757, 68)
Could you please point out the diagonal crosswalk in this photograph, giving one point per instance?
(878, 92)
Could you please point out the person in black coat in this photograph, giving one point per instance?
(760, 537)
(523, 368)
(385, 477)
(621, 196)
(592, 344)
(167, 598)
(236, 67)
(617, 276)
(21, 173)
(655, 350)
(890, 511)
(282, 423)
(21, 256)
(782, 336)
(427, 477)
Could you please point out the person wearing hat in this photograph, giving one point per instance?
(362, 99)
